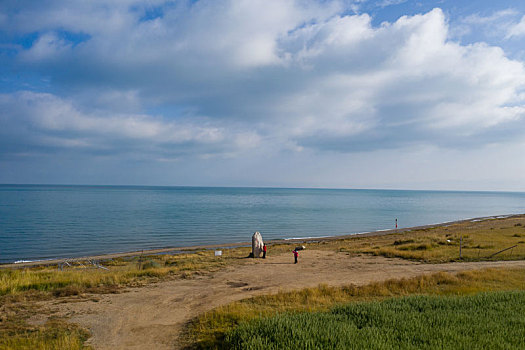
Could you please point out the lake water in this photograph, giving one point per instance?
(44, 222)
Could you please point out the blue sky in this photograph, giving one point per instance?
(345, 94)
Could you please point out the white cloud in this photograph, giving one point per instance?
(238, 33)
(495, 17)
(47, 47)
(493, 27)
(406, 74)
(296, 74)
(95, 16)
(386, 3)
(517, 29)
(48, 120)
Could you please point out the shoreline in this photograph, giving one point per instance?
(189, 249)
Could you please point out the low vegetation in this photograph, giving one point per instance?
(52, 335)
(481, 240)
(210, 329)
(22, 289)
(483, 321)
(16, 332)
(81, 277)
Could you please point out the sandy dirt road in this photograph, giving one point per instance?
(152, 317)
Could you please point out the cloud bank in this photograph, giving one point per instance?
(226, 78)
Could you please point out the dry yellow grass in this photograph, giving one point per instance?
(78, 279)
(479, 240)
(51, 336)
(17, 333)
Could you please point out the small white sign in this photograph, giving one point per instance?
(218, 253)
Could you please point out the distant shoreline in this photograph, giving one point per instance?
(254, 187)
(188, 249)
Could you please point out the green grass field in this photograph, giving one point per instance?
(483, 321)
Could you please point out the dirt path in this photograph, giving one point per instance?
(151, 317)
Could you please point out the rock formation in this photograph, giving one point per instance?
(257, 245)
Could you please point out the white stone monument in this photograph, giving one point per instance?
(257, 245)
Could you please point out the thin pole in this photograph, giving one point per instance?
(460, 244)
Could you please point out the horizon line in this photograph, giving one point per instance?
(257, 187)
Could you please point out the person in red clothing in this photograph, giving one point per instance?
(295, 255)
(264, 251)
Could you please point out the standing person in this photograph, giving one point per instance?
(295, 255)
(264, 251)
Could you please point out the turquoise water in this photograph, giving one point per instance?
(44, 222)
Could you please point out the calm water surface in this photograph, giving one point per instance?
(43, 222)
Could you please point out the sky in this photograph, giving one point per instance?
(389, 94)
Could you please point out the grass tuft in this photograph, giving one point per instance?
(54, 335)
